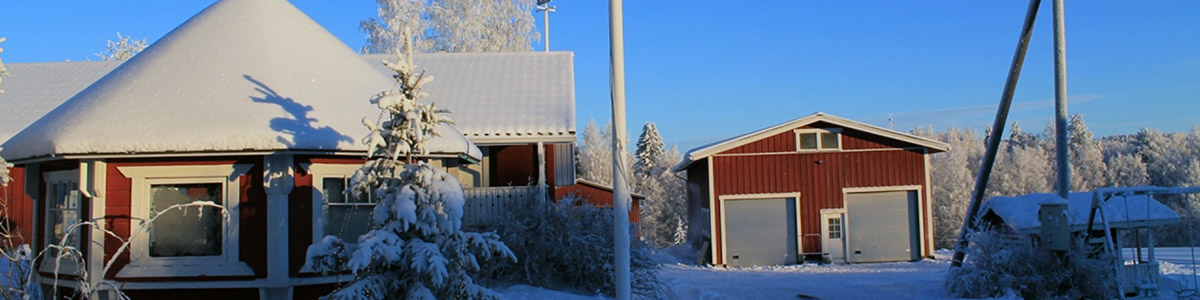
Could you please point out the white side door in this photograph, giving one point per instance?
(833, 234)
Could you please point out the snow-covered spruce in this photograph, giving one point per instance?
(418, 250)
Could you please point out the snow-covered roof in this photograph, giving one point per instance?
(704, 151)
(242, 75)
(35, 89)
(1021, 212)
(502, 96)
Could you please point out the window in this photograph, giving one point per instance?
(189, 231)
(346, 216)
(63, 210)
(336, 212)
(184, 241)
(818, 139)
(835, 228)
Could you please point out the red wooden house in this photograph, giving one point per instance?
(816, 186)
(253, 106)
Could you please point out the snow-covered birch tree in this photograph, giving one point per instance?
(122, 49)
(452, 25)
(418, 250)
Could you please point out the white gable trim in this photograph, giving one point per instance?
(718, 147)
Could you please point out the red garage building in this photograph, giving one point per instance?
(816, 186)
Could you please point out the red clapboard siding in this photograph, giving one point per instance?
(513, 165)
(18, 209)
(818, 176)
(599, 197)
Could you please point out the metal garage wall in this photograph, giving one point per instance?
(882, 226)
(761, 232)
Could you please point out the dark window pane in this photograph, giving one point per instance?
(829, 140)
(348, 221)
(189, 231)
(333, 189)
(808, 141)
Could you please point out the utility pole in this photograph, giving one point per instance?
(997, 130)
(1060, 100)
(545, 7)
(621, 197)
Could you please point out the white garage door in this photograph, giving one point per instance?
(882, 226)
(760, 232)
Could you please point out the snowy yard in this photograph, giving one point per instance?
(902, 280)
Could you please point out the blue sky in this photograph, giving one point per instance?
(707, 70)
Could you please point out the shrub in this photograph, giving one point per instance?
(999, 265)
(569, 245)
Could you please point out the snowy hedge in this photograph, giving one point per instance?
(569, 245)
(1002, 265)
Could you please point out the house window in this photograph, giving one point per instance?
(818, 139)
(835, 228)
(176, 230)
(346, 216)
(189, 231)
(63, 210)
(336, 212)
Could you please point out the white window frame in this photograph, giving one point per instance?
(820, 145)
(141, 264)
(319, 173)
(70, 265)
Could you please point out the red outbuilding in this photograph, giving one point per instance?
(819, 186)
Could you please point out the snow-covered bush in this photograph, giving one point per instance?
(569, 245)
(1002, 264)
(418, 250)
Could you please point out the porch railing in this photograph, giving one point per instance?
(488, 205)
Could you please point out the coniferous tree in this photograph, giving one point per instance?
(418, 250)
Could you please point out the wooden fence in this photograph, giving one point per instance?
(489, 205)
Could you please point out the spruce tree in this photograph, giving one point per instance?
(418, 250)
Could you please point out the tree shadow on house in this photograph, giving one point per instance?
(303, 129)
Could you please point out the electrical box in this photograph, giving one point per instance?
(1056, 230)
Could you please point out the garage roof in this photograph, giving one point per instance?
(705, 151)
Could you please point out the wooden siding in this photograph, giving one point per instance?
(18, 208)
(252, 214)
(599, 197)
(818, 177)
(786, 141)
(513, 165)
(300, 209)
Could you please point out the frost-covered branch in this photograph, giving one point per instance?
(451, 26)
(122, 49)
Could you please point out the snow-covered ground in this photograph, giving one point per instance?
(901, 280)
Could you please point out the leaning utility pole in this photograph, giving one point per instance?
(621, 197)
(993, 143)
